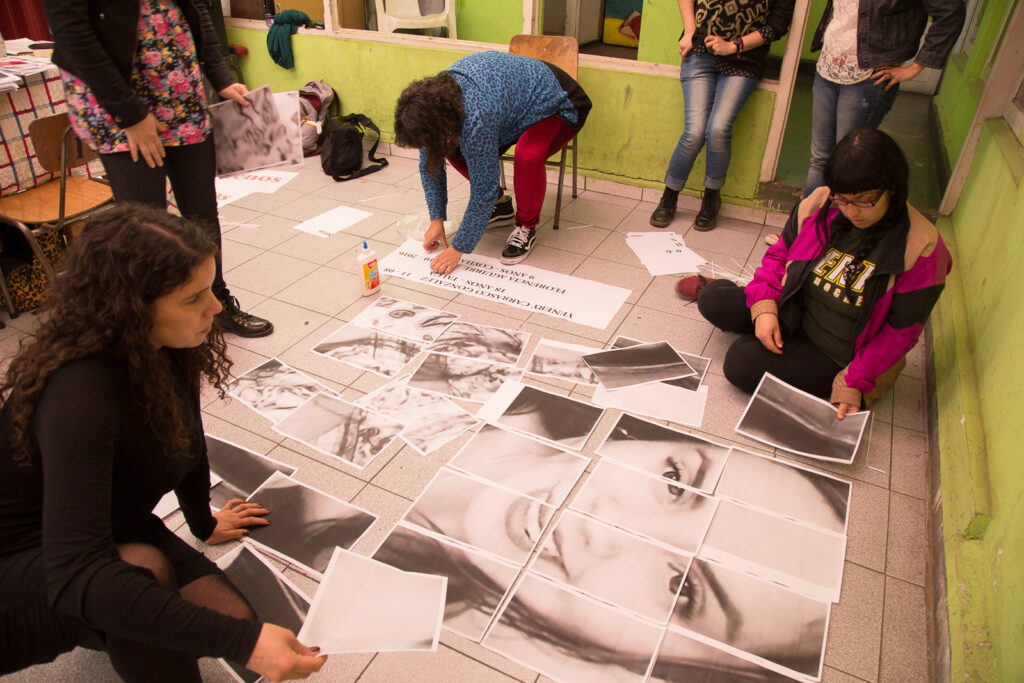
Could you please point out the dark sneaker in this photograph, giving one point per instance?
(519, 244)
(666, 211)
(503, 214)
(233, 320)
(689, 287)
(710, 203)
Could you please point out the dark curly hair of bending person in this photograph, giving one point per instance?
(429, 116)
(124, 259)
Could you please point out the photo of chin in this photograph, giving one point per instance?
(785, 417)
(274, 599)
(306, 524)
(241, 471)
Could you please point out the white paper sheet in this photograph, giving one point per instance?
(335, 220)
(657, 400)
(664, 253)
(363, 605)
(586, 302)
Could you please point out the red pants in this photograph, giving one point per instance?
(529, 180)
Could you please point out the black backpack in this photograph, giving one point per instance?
(342, 153)
(317, 102)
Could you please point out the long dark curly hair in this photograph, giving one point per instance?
(124, 259)
(429, 116)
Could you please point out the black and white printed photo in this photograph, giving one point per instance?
(255, 136)
(306, 524)
(784, 417)
(613, 565)
(699, 364)
(521, 463)
(363, 605)
(339, 428)
(370, 350)
(562, 420)
(785, 489)
(792, 554)
(646, 505)
(406, 319)
(240, 470)
(470, 340)
(683, 657)
(755, 616)
(272, 597)
(673, 455)
(640, 364)
(473, 380)
(430, 421)
(568, 636)
(562, 361)
(469, 510)
(274, 389)
(476, 582)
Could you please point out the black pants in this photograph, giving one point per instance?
(33, 633)
(191, 170)
(802, 364)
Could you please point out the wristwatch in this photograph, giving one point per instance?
(739, 45)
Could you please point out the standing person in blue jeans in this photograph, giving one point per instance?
(724, 47)
(864, 44)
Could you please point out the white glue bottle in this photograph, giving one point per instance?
(367, 260)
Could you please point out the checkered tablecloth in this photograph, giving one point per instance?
(40, 95)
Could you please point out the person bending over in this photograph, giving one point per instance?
(470, 114)
(842, 297)
(100, 419)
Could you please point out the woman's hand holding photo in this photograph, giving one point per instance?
(236, 92)
(234, 519)
(279, 656)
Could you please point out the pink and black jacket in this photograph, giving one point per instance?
(898, 297)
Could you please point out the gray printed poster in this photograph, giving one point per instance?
(532, 289)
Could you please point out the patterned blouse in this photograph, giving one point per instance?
(838, 60)
(166, 77)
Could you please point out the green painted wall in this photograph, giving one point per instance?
(779, 46)
(629, 136)
(977, 331)
(488, 22)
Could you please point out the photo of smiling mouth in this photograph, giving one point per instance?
(525, 521)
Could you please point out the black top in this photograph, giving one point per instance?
(734, 19)
(93, 483)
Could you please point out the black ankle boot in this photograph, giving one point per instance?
(666, 211)
(233, 320)
(710, 203)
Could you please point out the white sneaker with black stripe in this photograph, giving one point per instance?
(518, 246)
(503, 213)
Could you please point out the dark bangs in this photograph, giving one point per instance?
(867, 159)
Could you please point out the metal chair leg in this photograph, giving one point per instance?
(6, 294)
(558, 194)
(574, 168)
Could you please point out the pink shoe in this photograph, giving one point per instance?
(689, 287)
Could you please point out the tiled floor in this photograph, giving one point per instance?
(307, 286)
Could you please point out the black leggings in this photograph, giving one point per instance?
(32, 633)
(802, 364)
(191, 170)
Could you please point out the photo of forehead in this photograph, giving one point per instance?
(646, 505)
(754, 616)
(308, 524)
(477, 583)
(786, 489)
(481, 341)
(484, 516)
(785, 417)
(800, 557)
(590, 556)
(521, 463)
(406, 319)
(241, 470)
(665, 452)
(372, 350)
(700, 364)
(568, 636)
(682, 657)
(562, 361)
(465, 378)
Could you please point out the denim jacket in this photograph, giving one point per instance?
(889, 31)
(95, 40)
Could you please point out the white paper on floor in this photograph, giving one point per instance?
(335, 220)
(267, 181)
(364, 605)
(659, 400)
(586, 302)
(664, 253)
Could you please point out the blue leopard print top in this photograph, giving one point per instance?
(502, 96)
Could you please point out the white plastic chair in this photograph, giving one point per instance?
(406, 14)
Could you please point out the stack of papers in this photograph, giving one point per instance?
(664, 253)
